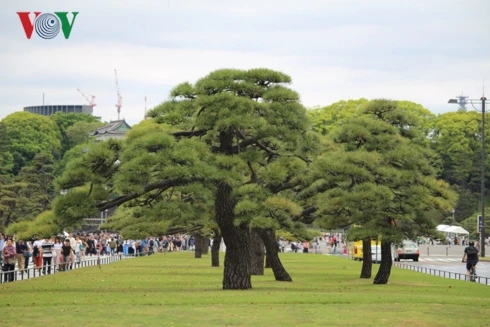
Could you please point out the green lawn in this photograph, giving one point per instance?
(178, 290)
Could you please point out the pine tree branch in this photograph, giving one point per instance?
(266, 149)
(253, 177)
(199, 132)
(306, 215)
(162, 185)
(283, 187)
(306, 160)
(247, 142)
(153, 197)
(182, 230)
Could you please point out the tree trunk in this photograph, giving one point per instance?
(267, 261)
(386, 262)
(367, 258)
(236, 275)
(7, 220)
(269, 238)
(198, 242)
(205, 245)
(215, 249)
(257, 253)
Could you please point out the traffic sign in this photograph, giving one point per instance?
(479, 224)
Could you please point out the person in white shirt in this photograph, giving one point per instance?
(57, 253)
(73, 244)
(78, 245)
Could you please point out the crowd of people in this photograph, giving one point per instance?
(333, 242)
(61, 253)
(164, 244)
(464, 241)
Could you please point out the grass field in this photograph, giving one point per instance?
(178, 290)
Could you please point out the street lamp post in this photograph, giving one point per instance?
(482, 231)
(482, 100)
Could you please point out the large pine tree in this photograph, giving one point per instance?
(381, 178)
(243, 135)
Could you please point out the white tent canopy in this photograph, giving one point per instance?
(457, 230)
(452, 229)
(442, 228)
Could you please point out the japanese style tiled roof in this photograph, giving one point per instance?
(114, 127)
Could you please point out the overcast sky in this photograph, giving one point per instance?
(422, 51)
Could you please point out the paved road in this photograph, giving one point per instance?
(450, 264)
(448, 258)
(435, 257)
(440, 257)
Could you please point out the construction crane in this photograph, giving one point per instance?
(91, 101)
(119, 97)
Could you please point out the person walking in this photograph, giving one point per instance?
(178, 243)
(37, 254)
(73, 244)
(27, 255)
(47, 249)
(90, 246)
(281, 245)
(165, 244)
(83, 246)
(151, 244)
(306, 245)
(9, 259)
(20, 249)
(66, 251)
(57, 253)
(78, 250)
(171, 244)
(113, 246)
(192, 242)
(2, 243)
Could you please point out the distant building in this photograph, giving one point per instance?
(48, 110)
(115, 129)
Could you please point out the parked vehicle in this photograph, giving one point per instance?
(406, 250)
(356, 251)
